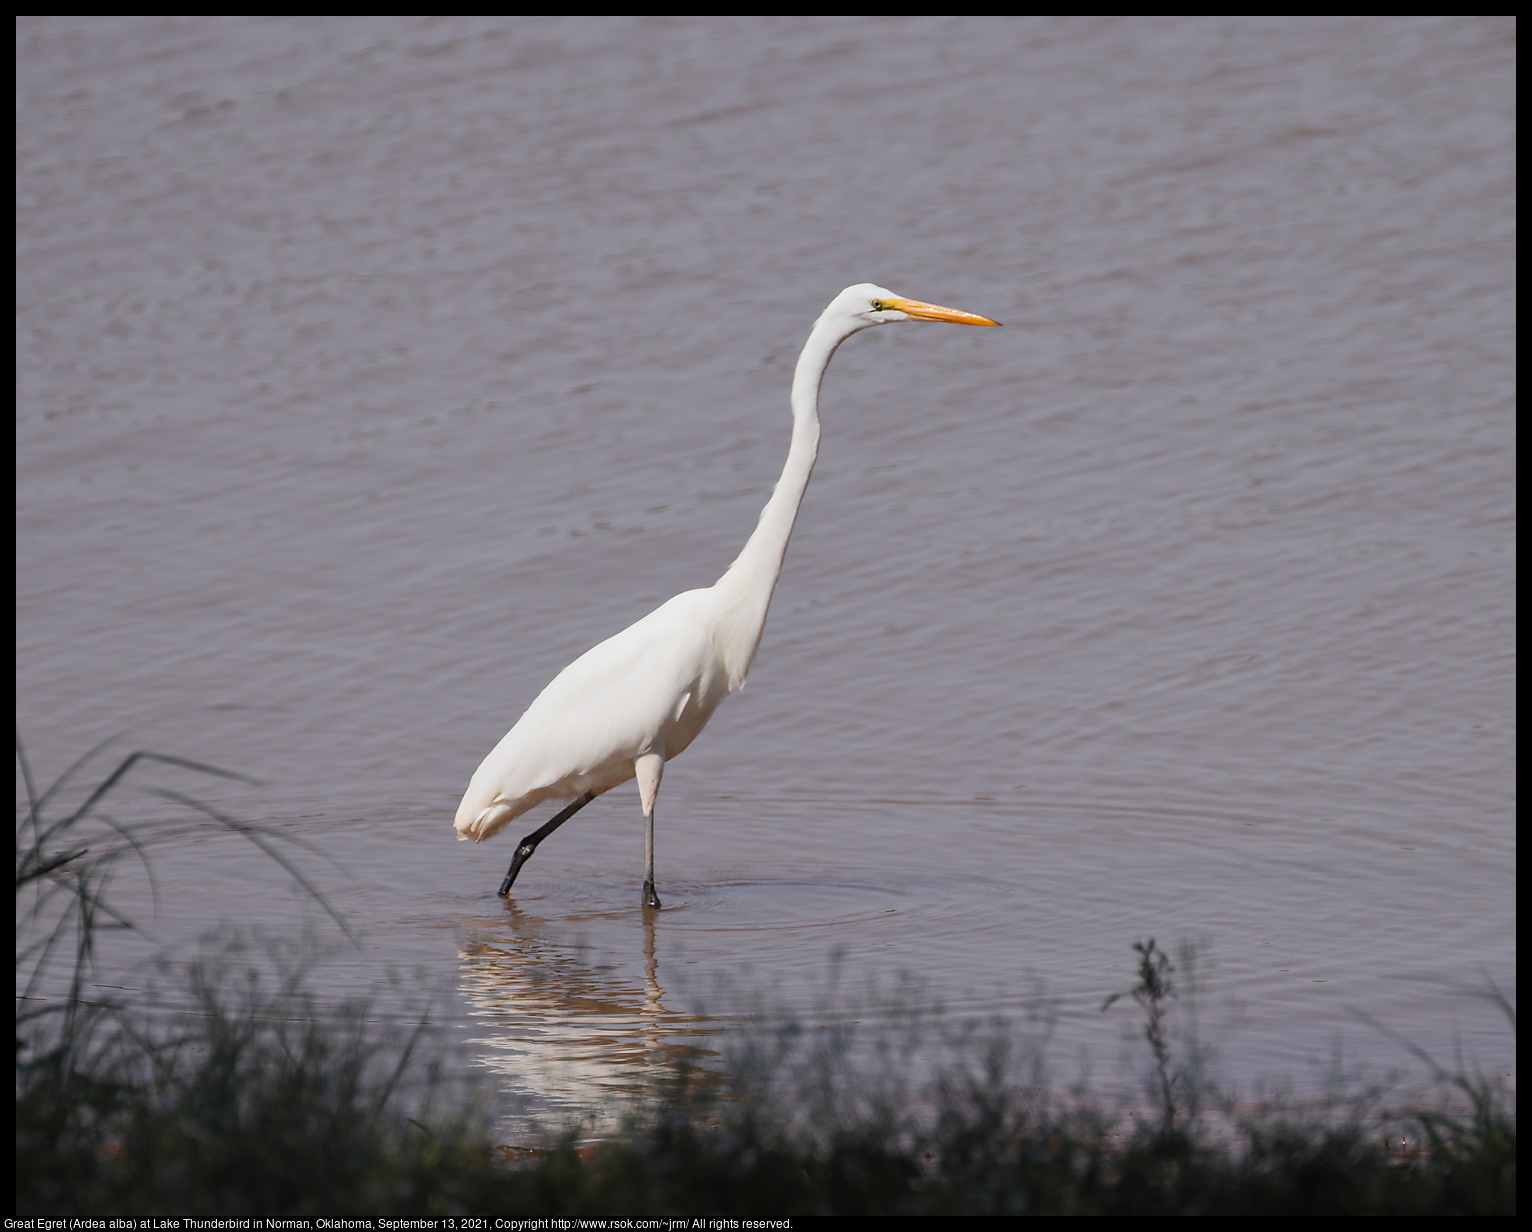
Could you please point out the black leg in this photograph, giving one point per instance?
(651, 899)
(528, 845)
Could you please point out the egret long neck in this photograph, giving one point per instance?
(747, 586)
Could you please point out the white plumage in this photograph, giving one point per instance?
(628, 705)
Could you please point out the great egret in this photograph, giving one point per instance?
(626, 707)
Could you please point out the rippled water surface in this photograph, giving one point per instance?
(371, 369)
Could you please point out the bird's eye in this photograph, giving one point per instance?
(879, 306)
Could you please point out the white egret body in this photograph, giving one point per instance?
(626, 707)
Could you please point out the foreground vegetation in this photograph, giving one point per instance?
(255, 1101)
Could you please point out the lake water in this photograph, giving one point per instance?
(371, 369)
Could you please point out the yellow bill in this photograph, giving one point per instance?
(935, 312)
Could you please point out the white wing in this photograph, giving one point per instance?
(649, 688)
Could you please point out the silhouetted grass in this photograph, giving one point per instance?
(796, 1123)
(249, 1098)
(256, 1100)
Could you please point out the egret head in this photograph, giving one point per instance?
(866, 303)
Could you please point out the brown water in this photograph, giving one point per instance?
(371, 369)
